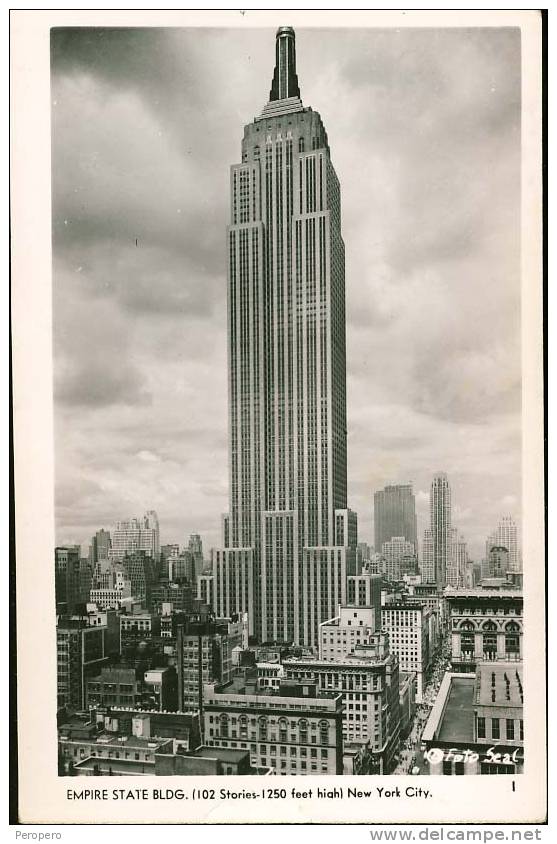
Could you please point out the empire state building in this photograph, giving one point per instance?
(288, 539)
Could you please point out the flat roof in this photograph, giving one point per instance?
(510, 592)
(348, 661)
(239, 686)
(451, 718)
(457, 724)
(128, 766)
(116, 741)
(499, 684)
(228, 754)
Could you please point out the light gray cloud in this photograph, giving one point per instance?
(424, 128)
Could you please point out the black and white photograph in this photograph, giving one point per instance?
(291, 416)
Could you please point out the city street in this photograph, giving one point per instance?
(409, 753)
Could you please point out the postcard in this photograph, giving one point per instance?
(277, 316)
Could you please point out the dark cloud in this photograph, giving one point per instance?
(424, 128)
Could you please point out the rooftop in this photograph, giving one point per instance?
(242, 685)
(348, 661)
(478, 592)
(116, 766)
(499, 684)
(116, 740)
(226, 754)
(457, 724)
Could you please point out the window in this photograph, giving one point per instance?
(495, 731)
(490, 640)
(262, 728)
(481, 727)
(510, 729)
(521, 730)
(512, 639)
(224, 726)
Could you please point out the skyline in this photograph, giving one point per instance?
(123, 445)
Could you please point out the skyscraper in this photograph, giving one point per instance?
(136, 535)
(394, 552)
(394, 514)
(438, 545)
(506, 536)
(100, 546)
(195, 547)
(288, 518)
(456, 560)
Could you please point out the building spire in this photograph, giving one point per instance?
(284, 97)
(285, 80)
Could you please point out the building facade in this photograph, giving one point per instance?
(297, 730)
(409, 637)
(136, 534)
(506, 536)
(486, 625)
(82, 651)
(100, 546)
(287, 366)
(353, 627)
(72, 579)
(369, 684)
(394, 514)
(397, 552)
(438, 544)
(205, 654)
(364, 590)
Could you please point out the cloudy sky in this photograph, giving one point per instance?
(424, 130)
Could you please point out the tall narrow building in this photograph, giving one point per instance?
(439, 540)
(288, 534)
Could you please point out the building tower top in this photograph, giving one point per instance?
(284, 96)
(285, 79)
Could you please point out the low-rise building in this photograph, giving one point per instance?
(485, 626)
(368, 680)
(182, 727)
(364, 590)
(208, 761)
(86, 752)
(354, 626)
(138, 627)
(269, 675)
(476, 724)
(297, 730)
